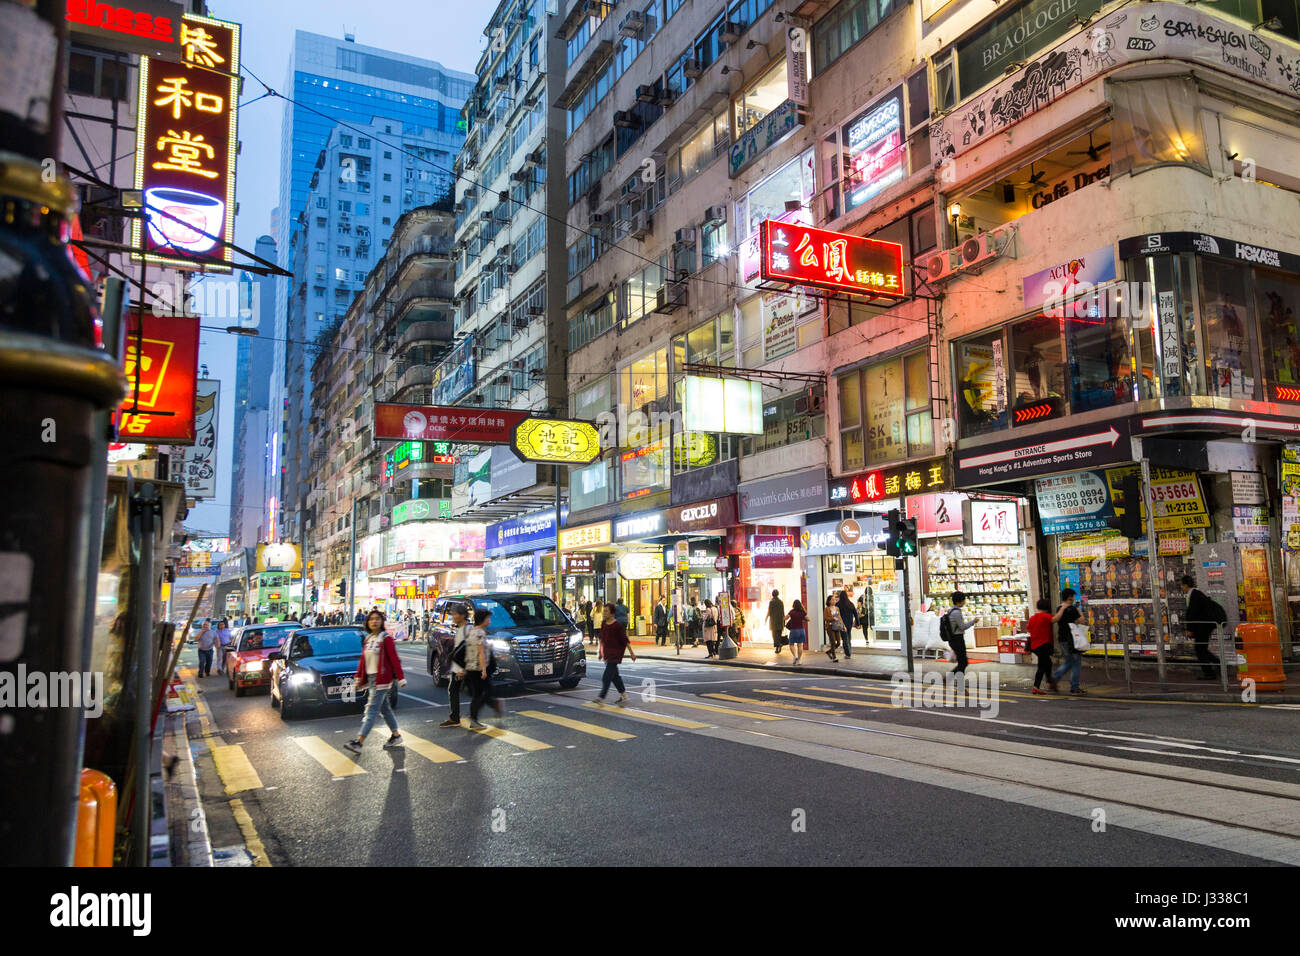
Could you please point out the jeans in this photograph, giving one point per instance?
(1044, 654)
(205, 662)
(221, 658)
(453, 696)
(377, 703)
(1074, 664)
(958, 645)
(846, 637)
(611, 676)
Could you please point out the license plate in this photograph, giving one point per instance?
(540, 670)
(339, 690)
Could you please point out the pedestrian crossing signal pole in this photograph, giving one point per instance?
(901, 543)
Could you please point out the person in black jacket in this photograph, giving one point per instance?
(849, 615)
(1202, 617)
(776, 620)
(661, 621)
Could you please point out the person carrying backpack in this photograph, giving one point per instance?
(953, 628)
(1203, 615)
(1066, 615)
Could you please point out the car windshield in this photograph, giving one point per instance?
(263, 639)
(325, 642)
(528, 610)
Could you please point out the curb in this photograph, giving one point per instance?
(198, 846)
(1262, 697)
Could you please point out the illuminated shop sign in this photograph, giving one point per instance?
(867, 486)
(644, 525)
(160, 359)
(146, 27)
(556, 440)
(874, 151)
(835, 261)
(641, 566)
(186, 141)
(772, 550)
(585, 536)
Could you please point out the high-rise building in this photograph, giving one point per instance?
(335, 81)
(253, 365)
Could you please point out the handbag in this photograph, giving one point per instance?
(458, 655)
(1082, 637)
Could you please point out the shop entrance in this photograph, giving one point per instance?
(877, 591)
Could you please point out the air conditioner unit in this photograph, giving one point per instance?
(670, 297)
(625, 119)
(485, 217)
(502, 82)
(987, 245)
(633, 25)
(691, 67)
(730, 32)
(686, 235)
(715, 214)
(645, 94)
(534, 158)
(641, 225)
(666, 98)
(941, 265)
(519, 325)
(472, 191)
(817, 399)
(598, 219)
(635, 186)
(530, 102)
(502, 379)
(520, 176)
(517, 365)
(503, 250)
(460, 206)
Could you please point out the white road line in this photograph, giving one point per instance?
(1132, 733)
(431, 703)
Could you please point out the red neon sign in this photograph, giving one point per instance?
(802, 255)
(92, 13)
(1287, 393)
(1032, 413)
(161, 364)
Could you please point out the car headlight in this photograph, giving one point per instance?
(499, 646)
(302, 677)
(252, 666)
(575, 639)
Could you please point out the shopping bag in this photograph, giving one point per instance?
(1082, 637)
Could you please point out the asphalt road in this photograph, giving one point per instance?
(729, 766)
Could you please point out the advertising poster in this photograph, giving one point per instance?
(196, 466)
(780, 317)
(1075, 502)
(886, 434)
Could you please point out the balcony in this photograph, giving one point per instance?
(425, 331)
(425, 300)
(415, 375)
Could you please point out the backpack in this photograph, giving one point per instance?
(1217, 613)
(945, 627)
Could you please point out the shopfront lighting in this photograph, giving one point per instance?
(954, 211)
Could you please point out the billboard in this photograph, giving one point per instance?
(446, 423)
(723, 405)
(835, 261)
(160, 359)
(196, 468)
(280, 556)
(186, 141)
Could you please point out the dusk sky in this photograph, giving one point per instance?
(448, 32)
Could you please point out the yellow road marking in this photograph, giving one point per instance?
(647, 715)
(428, 749)
(251, 840)
(332, 760)
(234, 768)
(717, 710)
(577, 725)
(775, 703)
(512, 738)
(833, 700)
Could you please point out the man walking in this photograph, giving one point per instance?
(207, 642)
(776, 620)
(661, 621)
(956, 630)
(1066, 615)
(459, 635)
(849, 615)
(1203, 614)
(622, 612)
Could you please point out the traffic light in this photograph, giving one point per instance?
(341, 591)
(315, 594)
(1129, 524)
(901, 542)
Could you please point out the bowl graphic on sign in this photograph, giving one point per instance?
(415, 423)
(194, 214)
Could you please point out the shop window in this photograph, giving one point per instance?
(885, 412)
(761, 97)
(1177, 369)
(1226, 315)
(792, 183)
(1037, 369)
(1278, 303)
(981, 384)
(1101, 371)
(850, 21)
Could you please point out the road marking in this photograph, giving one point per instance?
(774, 703)
(234, 768)
(428, 749)
(431, 703)
(579, 725)
(511, 738)
(833, 700)
(647, 715)
(718, 710)
(332, 760)
(252, 842)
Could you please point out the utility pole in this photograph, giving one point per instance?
(559, 589)
(352, 565)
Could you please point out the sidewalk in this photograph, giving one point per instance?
(883, 663)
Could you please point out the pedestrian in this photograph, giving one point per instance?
(478, 666)
(956, 628)
(693, 618)
(622, 612)
(207, 641)
(680, 622)
(834, 627)
(378, 668)
(1203, 615)
(776, 621)
(1040, 643)
(613, 644)
(797, 622)
(223, 644)
(849, 618)
(710, 619)
(1066, 615)
(459, 636)
(661, 621)
(591, 625)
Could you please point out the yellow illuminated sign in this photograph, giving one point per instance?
(557, 440)
(586, 536)
(641, 566)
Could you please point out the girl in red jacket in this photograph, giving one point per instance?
(378, 666)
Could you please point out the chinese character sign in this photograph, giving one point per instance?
(802, 255)
(446, 423)
(197, 467)
(161, 363)
(186, 139)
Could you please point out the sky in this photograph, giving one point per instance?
(448, 32)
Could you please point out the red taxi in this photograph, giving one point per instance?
(246, 664)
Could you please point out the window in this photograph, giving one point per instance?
(595, 320)
(322, 202)
(345, 139)
(1101, 373)
(844, 26)
(787, 420)
(699, 150)
(363, 142)
(1226, 314)
(341, 275)
(715, 242)
(981, 397)
(793, 182)
(885, 411)
(1277, 299)
(388, 199)
(387, 221)
(388, 154)
(345, 205)
(321, 222)
(1037, 366)
(763, 95)
(363, 209)
(641, 291)
(344, 252)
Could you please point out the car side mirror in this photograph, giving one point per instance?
(275, 656)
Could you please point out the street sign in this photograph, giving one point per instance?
(477, 426)
(559, 441)
(1065, 449)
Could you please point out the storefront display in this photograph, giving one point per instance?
(994, 578)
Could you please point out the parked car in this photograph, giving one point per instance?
(246, 664)
(316, 667)
(532, 639)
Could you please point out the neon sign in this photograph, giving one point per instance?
(801, 255)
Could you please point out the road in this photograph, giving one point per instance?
(729, 766)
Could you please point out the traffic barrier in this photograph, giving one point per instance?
(96, 820)
(1259, 656)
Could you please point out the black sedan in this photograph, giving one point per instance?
(316, 667)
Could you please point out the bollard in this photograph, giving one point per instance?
(105, 791)
(1260, 656)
